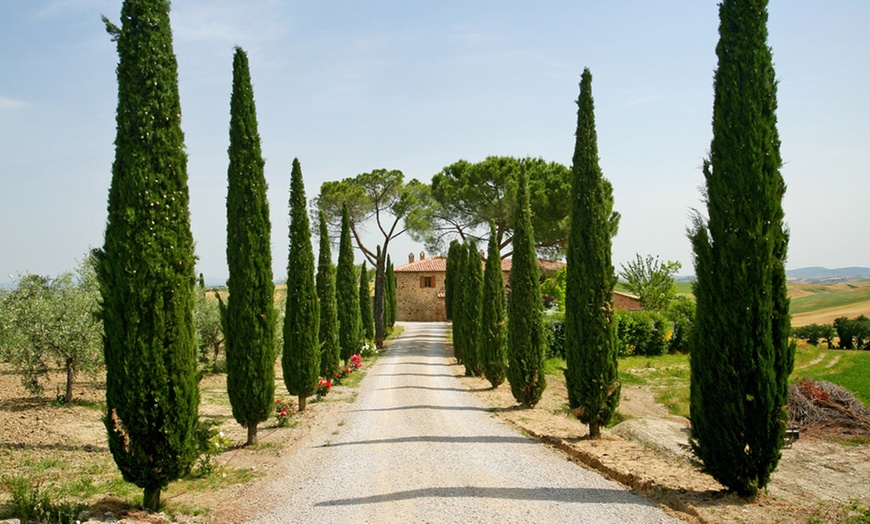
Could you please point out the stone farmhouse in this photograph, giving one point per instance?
(420, 288)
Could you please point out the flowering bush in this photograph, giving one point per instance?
(323, 388)
(370, 349)
(211, 442)
(355, 363)
(284, 409)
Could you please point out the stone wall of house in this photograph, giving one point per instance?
(416, 303)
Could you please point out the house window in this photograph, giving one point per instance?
(427, 281)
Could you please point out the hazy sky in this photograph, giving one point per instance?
(350, 86)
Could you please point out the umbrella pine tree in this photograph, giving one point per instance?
(146, 266)
(250, 311)
(300, 360)
(740, 355)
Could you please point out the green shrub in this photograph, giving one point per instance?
(813, 333)
(642, 333)
(555, 331)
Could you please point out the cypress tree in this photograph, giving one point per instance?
(740, 355)
(390, 288)
(301, 357)
(250, 316)
(526, 340)
(472, 296)
(365, 305)
(493, 315)
(450, 277)
(458, 326)
(146, 266)
(590, 330)
(347, 293)
(330, 355)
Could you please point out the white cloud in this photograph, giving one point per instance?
(10, 104)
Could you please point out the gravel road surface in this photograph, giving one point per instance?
(417, 447)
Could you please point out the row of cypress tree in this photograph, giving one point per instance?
(741, 356)
(146, 277)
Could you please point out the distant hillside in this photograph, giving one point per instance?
(823, 274)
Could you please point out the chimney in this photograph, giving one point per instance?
(411, 257)
(422, 255)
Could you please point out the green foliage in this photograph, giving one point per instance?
(644, 333)
(853, 333)
(301, 357)
(526, 338)
(472, 302)
(211, 442)
(467, 196)
(48, 323)
(741, 356)
(384, 197)
(652, 281)
(347, 293)
(813, 333)
(590, 337)
(209, 328)
(555, 329)
(31, 501)
(330, 353)
(250, 311)
(390, 289)
(146, 267)
(450, 277)
(553, 289)
(457, 270)
(365, 305)
(681, 314)
(493, 317)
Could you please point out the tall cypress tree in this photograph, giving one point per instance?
(526, 340)
(250, 316)
(740, 355)
(458, 326)
(330, 355)
(390, 290)
(146, 266)
(590, 330)
(365, 305)
(472, 296)
(301, 357)
(493, 329)
(450, 277)
(347, 293)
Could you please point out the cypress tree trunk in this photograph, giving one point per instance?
(365, 305)
(146, 267)
(493, 316)
(250, 314)
(347, 294)
(472, 289)
(330, 355)
(301, 357)
(740, 355)
(590, 330)
(526, 342)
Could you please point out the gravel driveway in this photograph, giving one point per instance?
(416, 447)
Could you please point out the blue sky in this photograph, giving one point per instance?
(348, 87)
